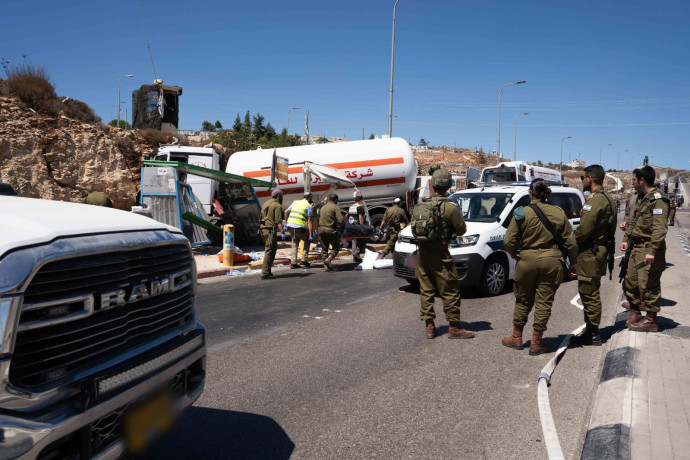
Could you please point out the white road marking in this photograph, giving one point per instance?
(336, 311)
(305, 316)
(618, 257)
(318, 317)
(326, 309)
(574, 302)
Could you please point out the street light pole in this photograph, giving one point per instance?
(287, 128)
(602, 147)
(498, 151)
(560, 165)
(118, 98)
(618, 165)
(390, 103)
(515, 137)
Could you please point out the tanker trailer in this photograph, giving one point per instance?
(382, 169)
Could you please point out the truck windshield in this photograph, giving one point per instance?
(481, 207)
(500, 175)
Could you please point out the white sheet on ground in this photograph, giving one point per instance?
(370, 261)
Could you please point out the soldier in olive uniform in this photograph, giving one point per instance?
(436, 270)
(647, 235)
(395, 217)
(597, 221)
(271, 224)
(330, 221)
(98, 199)
(540, 264)
(672, 212)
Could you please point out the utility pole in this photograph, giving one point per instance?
(390, 104)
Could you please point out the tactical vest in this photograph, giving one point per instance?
(298, 213)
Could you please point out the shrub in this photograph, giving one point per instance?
(28, 70)
(33, 91)
(80, 111)
(154, 138)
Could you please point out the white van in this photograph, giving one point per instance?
(204, 189)
(479, 254)
(519, 171)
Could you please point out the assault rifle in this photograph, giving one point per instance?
(624, 261)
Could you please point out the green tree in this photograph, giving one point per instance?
(218, 125)
(247, 123)
(237, 125)
(433, 169)
(207, 126)
(123, 124)
(372, 136)
(258, 128)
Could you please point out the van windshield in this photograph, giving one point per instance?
(481, 207)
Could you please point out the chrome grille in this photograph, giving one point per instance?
(399, 268)
(45, 355)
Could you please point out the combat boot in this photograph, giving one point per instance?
(646, 324)
(456, 332)
(536, 347)
(515, 340)
(634, 315)
(430, 329)
(589, 336)
(327, 264)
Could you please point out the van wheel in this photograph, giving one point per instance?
(494, 277)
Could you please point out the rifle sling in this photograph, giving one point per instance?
(557, 238)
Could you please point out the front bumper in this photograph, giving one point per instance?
(66, 427)
(468, 266)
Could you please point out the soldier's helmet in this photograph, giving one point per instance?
(441, 179)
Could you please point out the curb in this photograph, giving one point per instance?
(608, 435)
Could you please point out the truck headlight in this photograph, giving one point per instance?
(464, 241)
(5, 327)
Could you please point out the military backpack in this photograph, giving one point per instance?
(428, 223)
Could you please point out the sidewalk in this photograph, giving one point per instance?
(642, 405)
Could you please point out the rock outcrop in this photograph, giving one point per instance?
(62, 159)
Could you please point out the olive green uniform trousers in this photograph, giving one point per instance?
(329, 238)
(536, 282)
(591, 266)
(644, 283)
(393, 237)
(672, 216)
(436, 273)
(271, 247)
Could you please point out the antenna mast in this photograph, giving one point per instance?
(143, 26)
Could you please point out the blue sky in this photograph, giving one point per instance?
(609, 72)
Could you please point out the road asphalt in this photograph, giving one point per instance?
(336, 365)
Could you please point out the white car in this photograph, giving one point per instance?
(479, 254)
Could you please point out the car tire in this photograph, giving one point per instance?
(494, 277)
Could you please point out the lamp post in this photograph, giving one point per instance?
(390, 103)
(287, 128)
(618, 165)
(602, 147)
(560, 165)
(498, 150)
(118, 98)
(515, 137)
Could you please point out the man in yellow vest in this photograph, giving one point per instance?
(299, 216)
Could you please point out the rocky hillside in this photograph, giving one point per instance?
(59, 158)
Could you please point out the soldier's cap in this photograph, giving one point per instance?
(396, 201)
(358, 196)
(276, 193)
(307, 194)
(441, 178)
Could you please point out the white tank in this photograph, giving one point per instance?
(381, 168)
